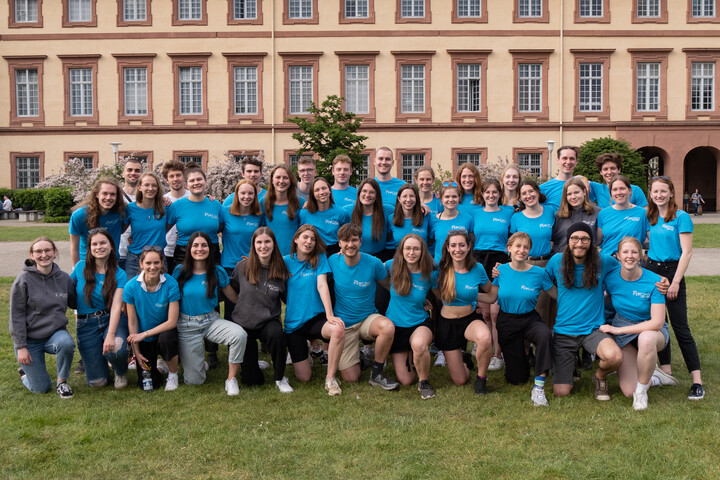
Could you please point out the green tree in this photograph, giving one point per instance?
(329, 132)
(633, 166)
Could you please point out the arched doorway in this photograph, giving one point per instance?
(654, 161)
(700, 171)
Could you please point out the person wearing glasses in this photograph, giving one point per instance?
(39, 298)
(622, 219)
(146, 218)
(449, 219)
(321, 212)
(281, 207)
(306, 172)
(468, 177)
(671, 239)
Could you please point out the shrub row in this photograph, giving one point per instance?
(56, 202)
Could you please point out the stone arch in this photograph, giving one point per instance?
(700, 168)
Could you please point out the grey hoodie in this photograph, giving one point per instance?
(38, 303)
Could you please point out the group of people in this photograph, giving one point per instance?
(509, 266)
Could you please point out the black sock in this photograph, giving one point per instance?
(377, 368)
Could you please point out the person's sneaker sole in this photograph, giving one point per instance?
(385, 386)
(666, 380)
(426, 394)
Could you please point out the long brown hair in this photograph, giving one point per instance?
(270, 197)
(277, 271)
(401, 277)
(312, 203)
(477, 189)
(110, 283)
(93, 210)
(254, 208)
(446, 277)
(532, 183)
(158, 205)
(378, 215)
(417, 213)
(591, 268)
(505, 199)
(186, 273)
(489, 182)
(565, 208)
(313, 257)
(652, 209)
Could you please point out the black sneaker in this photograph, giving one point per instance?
(425, 389)
(480, 386)
(80, 370)
(212, 360)
(64, 390)
(697, 392)
(316, 353)
(324, 359)
(380, 380)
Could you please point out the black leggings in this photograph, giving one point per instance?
(273, 336)
(513, 330)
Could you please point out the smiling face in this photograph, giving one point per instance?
(579, 243)
(321, 191)
(107, 196)
(367, 195)
(263, 247)
(407, 199)
(629, 254)
(567, 159)
(424, 181)
(491, 195)
(528, 195)
(149, 187)
(450, 199)
(511, 179)
(100, 246)
(383, 161)
(306, 172)
(252, 172)
(199, 249)
(467, 180)
(341, 172)
(305, 243)
(575, 196)
(458, 248)
(620, 192)
(281, 180)
(660, 193)
(152, 266)
(412, 251)
(609, 171)
(43, 253)
(176, 180)
(131, 172)
(350, 248)
(246, 195)
(519, 250)
(196, 183)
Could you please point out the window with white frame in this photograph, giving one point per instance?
(189, 10)
(134, 10)
(530, 8)
(87, 162)
(703, 8)
(702, 86)
(245, 90)
(301, 88)
(474, 158)
(469, 8)
(244, 9)
(356, 9)
(81, 92)
(135, 90)
(529, 87)
(79, 10)
(590, 87)
(27, 171)
(648, 8)
(26, 92)
(468, 87)
(191, 101)
(591, 8)
(300, 9)
(531, 162)
(648, 87)
(412, 8)
(196, 159)
(357, 88)
(364, 173)
(412, 89)
(410, 162)
(26, 11)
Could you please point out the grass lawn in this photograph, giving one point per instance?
(59, 233)
(706, 235)
(199, 432)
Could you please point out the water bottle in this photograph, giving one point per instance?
(147, 383)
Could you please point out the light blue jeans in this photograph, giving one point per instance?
(91, 333)
(191, 332)
(60, 344)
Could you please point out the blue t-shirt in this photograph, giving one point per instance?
(190, 217)
(78, 226)
(369, 245)
(355, 287)
(553, 193)
(580, 310)
(409, 310)
(468, 285)
(327, 222)
(539, 229)
(466, 204)
(435, 206)
(344, 198)
(439, 230)
(98, 302)
(632, 300)
(147, 229)
(603, 198)
(518, 291)
(616, 224)
(303, 297)
(395, 234)
(229, 200)
(283, 228)
(194, 293)
(151, 307)
(389, 190)
(492, 228)
(237, 235)
(665, 237)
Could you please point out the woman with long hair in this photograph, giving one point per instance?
(39, 298)
(309, 311)
(468, 177)
(261, 283)
(575, 206)
(281, 206)
(371, 215)
(449, 219)
(424, 179)
(622, 219)
(510, 178)
(321, 212)
(199, 279)
(408, 217)
(146, 218)
(671, 239)
(102, 329)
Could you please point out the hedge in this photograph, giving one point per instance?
(56, 202)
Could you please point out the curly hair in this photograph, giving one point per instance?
(93, 210)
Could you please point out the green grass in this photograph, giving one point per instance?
(706, 235)
(58, 233)
(199, 432)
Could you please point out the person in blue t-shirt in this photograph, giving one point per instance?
(103, 207)
(99, 284)
(620, 220)
(309, 312)
(413, 275)
(388, 184)
(355, 276)
(424, 179)
(575, 206)
(343, 194)
(609, 165)
(252, 169)
(639, 325)
(469, 179)
(510, 178)
(146, 219)
(370, 215)
(567, 158)
(462, 283)
(153, 305)
(321, 212)
(450, 218)
(408, 217)
(281, 206)
(199, 279)
(518, 286)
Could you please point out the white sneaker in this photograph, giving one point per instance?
(332, 386)
(162, 366)
(538, 397)
(283, 385)
(496, 363)
(172, 382)
(231, 387)
(262, 364)
(640, 401)
(440, 360)
(120, 382)
(663, 378)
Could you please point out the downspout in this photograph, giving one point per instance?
(562, 75)
(272, 73)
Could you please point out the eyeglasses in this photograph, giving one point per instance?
(450, 184)
(46, 251)
(97, 230)
(152, 248)
(661, 177)
(581, 240)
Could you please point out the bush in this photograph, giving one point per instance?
(64, 219)
(80, 180)
(58, 202)
(32, 198)
(223, 176)
(633, 166)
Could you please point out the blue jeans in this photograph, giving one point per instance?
(132, 264)
(91, 333)
(60, 344)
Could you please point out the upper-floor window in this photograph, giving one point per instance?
(649, 67)
(591, 8)
(702, 86)
(529, 87)
(412, 8)
(191, 90)
(592, 11)
(648, 87)
(189, 9)
(245, 81)
(26, 87)
(27, 96)
(79, 10)
(81, 92)
(591, 87)
(469, 8)
(648, 8)
(649, 11)
(301, 88)
(469, 90)
(703, 8)
(134, 10)
(356, 8)
(412, 89)
(530, 68)
(357, 88)
(244, 9)
(300, 9)
(135, 85)
(530, 8)
(26, 11)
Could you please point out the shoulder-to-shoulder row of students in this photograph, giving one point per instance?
(480, 263)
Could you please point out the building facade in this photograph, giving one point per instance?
(438, 81)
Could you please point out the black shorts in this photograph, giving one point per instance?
(488, 259)
(450, 332)
(297, 340)
(401, 342)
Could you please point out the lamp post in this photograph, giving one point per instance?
(115, 146)
(551, 146)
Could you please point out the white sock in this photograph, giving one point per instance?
(655, 381)
(642, 388)
(172, 375)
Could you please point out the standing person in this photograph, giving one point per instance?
(343, 193)
(321, 212)
(463, 283)
(575, 206)
(252, 169)
(370, 214)
(39, 298)
(610, 165)
(552, 189)
(153, 305)
(468, 177)
(101, 208)
(449, 218)
(261, 283)
(621, 219)
(412, 274)
(686, 202)
(199, 280)
(408, 217)
(671, 237)
(388, 184)
(309, 312)
(173, 172)
(147, 215)
(510, 178)
(306, 172)
(102, 329)
(424, 179)
(131, 179)
(698, 202)
(281, 207)
(639, 325)
(518, 285)
(355, 275)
